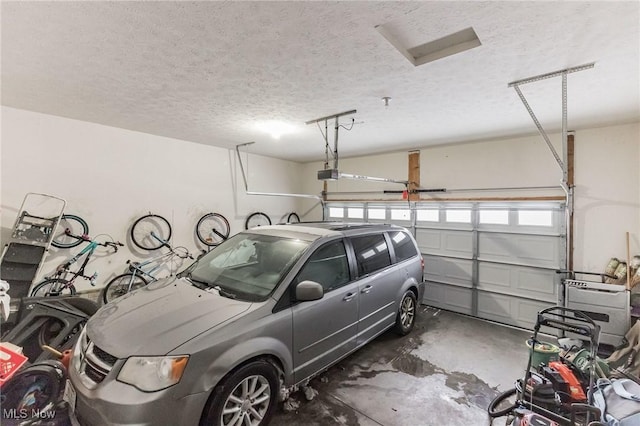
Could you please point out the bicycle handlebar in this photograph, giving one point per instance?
(182, 252)
(164, 243)
(87, 238)
(112, 244)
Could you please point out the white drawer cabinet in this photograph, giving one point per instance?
(607, 304)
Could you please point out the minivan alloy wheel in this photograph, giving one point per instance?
(407, 311)
(248, 403)
(406, 316)
(247, 396)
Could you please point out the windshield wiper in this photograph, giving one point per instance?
(198, 283)
(209, 286)
(224, 293)
(187, 272)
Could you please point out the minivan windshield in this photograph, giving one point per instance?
(246, 266)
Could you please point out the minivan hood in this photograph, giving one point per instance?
(159, 317)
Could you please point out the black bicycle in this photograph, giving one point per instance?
(150, 232)
(293, 218)
(212, 229)
(61, 282)
(257, 219)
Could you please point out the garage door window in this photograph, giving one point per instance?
(336, 212)
(400, 214)
(535, 218)
(403, 246)
(429, 215)
(458, 216)
(494, 217)
(372, 253)
(355, 212)
(377, 214)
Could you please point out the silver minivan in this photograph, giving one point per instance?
(261, 314)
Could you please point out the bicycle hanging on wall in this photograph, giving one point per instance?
(142, 273)
(212, 229)
(293, 218)
(69, 229)
(257, 219)
(150, 232)
(62, 281)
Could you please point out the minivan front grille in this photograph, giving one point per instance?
(93, 373)
(103, 356)
(96, 363)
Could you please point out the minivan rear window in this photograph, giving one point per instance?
(402, 245)
(372, 253)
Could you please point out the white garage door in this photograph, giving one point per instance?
(493, 261)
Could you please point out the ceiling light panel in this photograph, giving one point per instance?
(275, 128)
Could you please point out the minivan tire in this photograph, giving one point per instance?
(257, 374)
(406, 317)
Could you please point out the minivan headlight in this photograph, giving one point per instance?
(151, 374)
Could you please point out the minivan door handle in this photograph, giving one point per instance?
(349, 296)
(366, 289)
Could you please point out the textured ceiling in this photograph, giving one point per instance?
(207, 72)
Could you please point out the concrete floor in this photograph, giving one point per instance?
(443, 373)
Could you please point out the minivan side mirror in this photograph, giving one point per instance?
(309, 290)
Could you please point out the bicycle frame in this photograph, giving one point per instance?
(63, 270)
(155, 263)
(137, 268)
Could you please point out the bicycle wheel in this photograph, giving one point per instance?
(119, 286)
(293, 218)
(75, 226)
(212, 229)
(150, 232)
(53, 287)
(257, 219)
(503, 404)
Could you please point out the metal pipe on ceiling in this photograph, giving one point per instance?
(244, 178)
(269, 194)
(371, 178)
(284, 194)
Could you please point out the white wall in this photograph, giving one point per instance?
(607, 195)
(493, 164)
(607, 192)
(112, 176)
